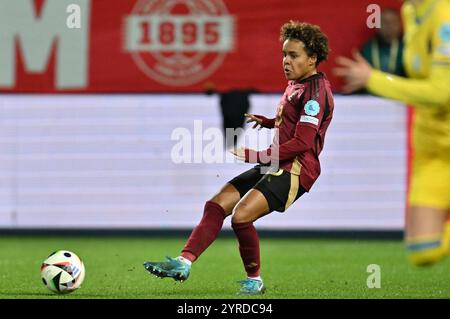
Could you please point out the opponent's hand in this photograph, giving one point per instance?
(355, 73)
(239, 153)
(253, 118)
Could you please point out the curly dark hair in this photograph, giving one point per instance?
(315, 41)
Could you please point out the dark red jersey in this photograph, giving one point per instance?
(302, 119)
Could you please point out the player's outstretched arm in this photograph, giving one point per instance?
(301, 142)
(260, 121)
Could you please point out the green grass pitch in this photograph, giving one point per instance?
(291, 268)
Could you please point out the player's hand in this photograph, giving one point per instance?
(252, 118)
(355, 73)
(239, 153)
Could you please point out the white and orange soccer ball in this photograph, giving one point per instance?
(62, 272)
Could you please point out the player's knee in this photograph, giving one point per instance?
(240, 214)
(222, 202)
(225, 201)
(425, 253)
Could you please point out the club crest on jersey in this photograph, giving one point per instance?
(312, 108)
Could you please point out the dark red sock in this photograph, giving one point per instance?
(248, 247)
(206, 231)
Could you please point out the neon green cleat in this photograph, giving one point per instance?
(173, 268)
(251, 287)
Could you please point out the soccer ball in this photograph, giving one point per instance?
(62, 272)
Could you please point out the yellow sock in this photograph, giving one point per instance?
(426, 257)
(425, 252)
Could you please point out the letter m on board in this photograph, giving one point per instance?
(32, 36)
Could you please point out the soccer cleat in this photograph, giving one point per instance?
(173, 268)
(251, 287)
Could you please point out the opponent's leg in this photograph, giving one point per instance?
(425, 238)
(446, 236)
(426, 234)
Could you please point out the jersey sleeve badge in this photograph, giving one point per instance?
(312, 108)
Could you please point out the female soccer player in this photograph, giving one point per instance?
(302, 118)
(427, 62)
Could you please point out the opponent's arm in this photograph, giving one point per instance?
(434, 89)
(431, 91)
